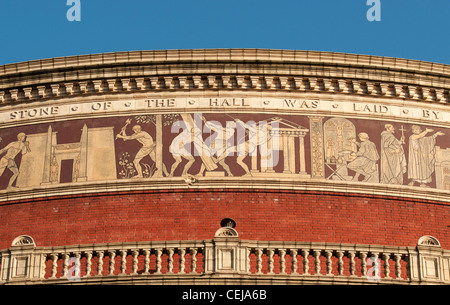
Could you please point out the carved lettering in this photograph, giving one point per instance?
(228, 102)
(101, 106)
(33, 113)
(161, 103)
(371, 108)
(431, 114)
(301, 104)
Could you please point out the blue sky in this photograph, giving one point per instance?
(37, 29)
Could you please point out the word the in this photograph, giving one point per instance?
(74, 12)
(374, 13)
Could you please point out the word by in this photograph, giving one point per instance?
(374, 13)
(74, 12)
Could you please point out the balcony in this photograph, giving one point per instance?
(226, 259)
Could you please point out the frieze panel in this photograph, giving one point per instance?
(222, 145)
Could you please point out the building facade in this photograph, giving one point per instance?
(225, 166)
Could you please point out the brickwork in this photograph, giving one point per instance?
(195, 214)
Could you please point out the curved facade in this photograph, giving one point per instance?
(332, 168)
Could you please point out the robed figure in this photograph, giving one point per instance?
(393, 161)
(422, 152)
(365, 160)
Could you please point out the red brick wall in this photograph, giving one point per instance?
(196, 214)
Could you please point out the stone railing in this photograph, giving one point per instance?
(225, 260)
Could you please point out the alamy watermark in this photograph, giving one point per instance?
(74, 12)
(374, 12)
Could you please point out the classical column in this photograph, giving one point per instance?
(317, 158)
(286, 159)
(302, 154)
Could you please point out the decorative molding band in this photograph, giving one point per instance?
(231, 183)
(263, 83)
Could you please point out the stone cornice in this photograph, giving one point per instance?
(429, 195)
(223, 69)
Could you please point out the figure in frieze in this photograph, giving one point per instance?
(365, 160)
(257, 135)
(148, 147)
(339, 140)
(393, 161)
(422, 152)
(11, 151)
(221, 144)
(179, 151)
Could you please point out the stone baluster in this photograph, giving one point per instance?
(249, 252)
(65, 270)
(317, 261)
(158, 261)
(112, 257)
(135, 254)
(123, 265)
(146, 261)
(282, 254)
(100, 256)
(398, 266)
(54, 258)
(271, 265)
(170, 252)
(88, 255)
(340, 255)
(375, 266)
(387, 266)
(259, 253)
(77, 265)
(328, 255)
(305, 254)
(2, 97)
(363, 257)
(294, 261)
(193, 252)
(351, 256)
(182, 253)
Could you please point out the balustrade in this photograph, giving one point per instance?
(226, 255)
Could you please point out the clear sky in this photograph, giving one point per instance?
(38, 29)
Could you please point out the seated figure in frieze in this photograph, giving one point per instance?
(365, 160)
